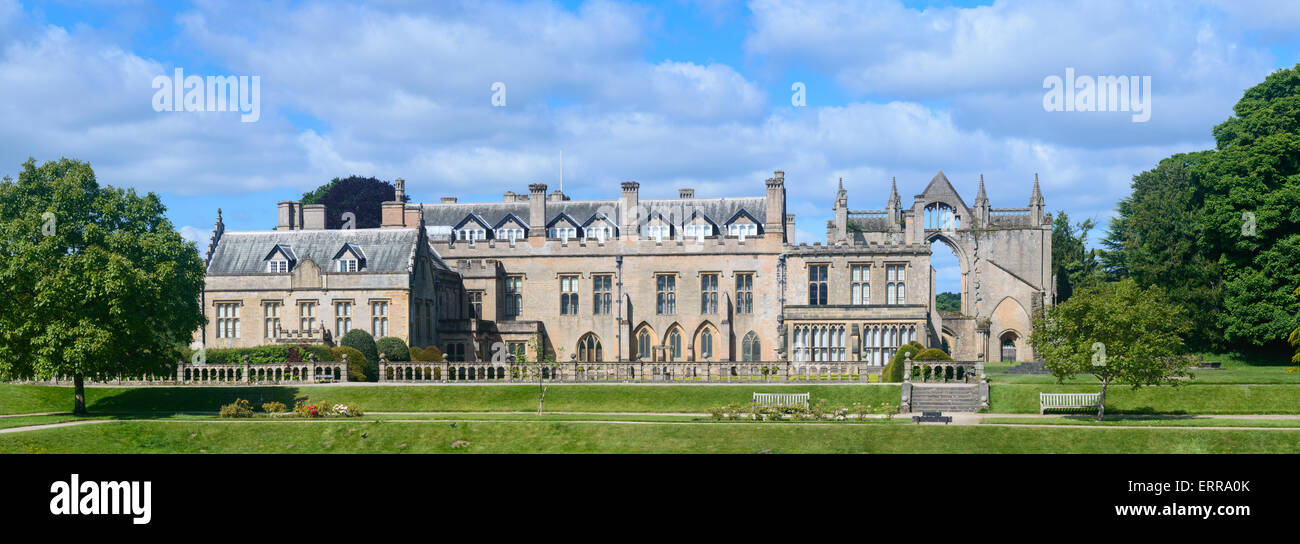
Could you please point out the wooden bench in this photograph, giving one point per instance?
(1067, 401)
(781, 399)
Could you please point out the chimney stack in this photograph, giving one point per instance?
(686, 193)
(630, 202)
(537, 210)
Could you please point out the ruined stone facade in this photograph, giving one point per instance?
(684, 279)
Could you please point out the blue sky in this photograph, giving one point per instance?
(671, 94)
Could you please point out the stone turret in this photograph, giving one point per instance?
(841, 225)
(1037, 205)
(894, 208)
(981, 208)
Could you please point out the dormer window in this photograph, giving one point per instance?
(562, 232)
(471, 234)
(472, 228)
(601, 233)
(742, 229)
(696, 230)
(350, 258)
(656, 232)
(562, 227)
(512, 233)
(280, 259)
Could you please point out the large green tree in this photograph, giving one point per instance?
(94, 280)
(1156, 239)
(1116, 331)
(359, 195)
(1220, 229)
(1073, 264)
(1251, 215)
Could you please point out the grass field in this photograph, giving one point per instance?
(1184, 399)
(182, 436)
(1234, 370)
(26, 399)
(1147, 422)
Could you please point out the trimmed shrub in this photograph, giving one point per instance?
(274, 407)
(276, 354)
(239, 408)
(394, 348)
(362, 341)
(932, 354)
(358, 368)
(430, 354)
(893, 372)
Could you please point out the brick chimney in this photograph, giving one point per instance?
(537, 210)
(313, 216)
(629, 203)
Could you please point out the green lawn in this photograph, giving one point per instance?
(21, 399)
(1145, 422)
(554, 437)
(1185, 399)
(1234, 370)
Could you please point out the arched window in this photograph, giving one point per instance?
(749, 348)
(1009, 347)
(675, 345)
(706, 345)
(643, 343)
(589, 349)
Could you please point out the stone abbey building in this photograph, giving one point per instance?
(632, 279)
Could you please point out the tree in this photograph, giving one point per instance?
(94, 280)
(1251, 216)
(1073, 264)
(540, 370)
(948, 302)
(362, 341)
(1219, 230)
(1155, 239)
(393, 348)
(359, 195)
(1118, 332)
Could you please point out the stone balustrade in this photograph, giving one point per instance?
(630, 371)
(942, 371)
(274, 373)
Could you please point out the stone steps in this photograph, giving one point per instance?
(945, 398)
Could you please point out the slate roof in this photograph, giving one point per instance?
(680, 209)
(385, 250)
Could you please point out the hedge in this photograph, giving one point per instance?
(358, 369)
(893, 372)
(362, 341)
(393, 348)
(273, 354)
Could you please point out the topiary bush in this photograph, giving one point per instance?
(358, 368)
(362, 341)
(430, 354)
(893, 372)
(394, 348)
(932, 354)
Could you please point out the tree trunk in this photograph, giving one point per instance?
(79, 394)
(1101, 404)
(541, 394)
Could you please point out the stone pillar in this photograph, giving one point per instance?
(244, 371)
(905, 404)
(907, 368)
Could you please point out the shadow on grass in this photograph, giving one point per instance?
(190, 399)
